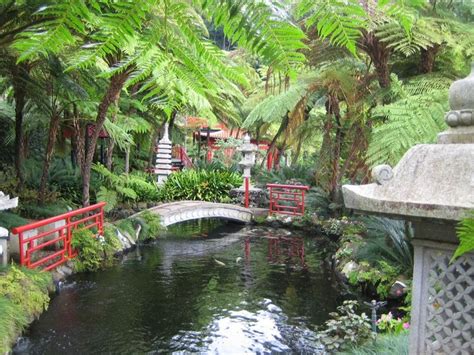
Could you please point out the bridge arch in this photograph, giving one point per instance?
(181, 211)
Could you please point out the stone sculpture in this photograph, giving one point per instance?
(433, 187)
(5, 203)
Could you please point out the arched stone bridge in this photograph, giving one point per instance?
(176, 212)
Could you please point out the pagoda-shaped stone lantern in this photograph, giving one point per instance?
(5, 203)
(433, 187)
(163, 157)
(248, 160)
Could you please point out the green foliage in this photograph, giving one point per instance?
(388, 240)
(417, 117)
(10, 220)
(126, 225)
(345, 329)
(296, 175)
(465, 232)
(89, 248)
(385, 344)
(151, 225)
(124, 188)
(382, 275)
(203, 185)
(24, 294)
(388, 324)
(94, 252)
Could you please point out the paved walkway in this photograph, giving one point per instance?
(180, 211)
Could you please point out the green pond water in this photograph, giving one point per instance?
(206, 286)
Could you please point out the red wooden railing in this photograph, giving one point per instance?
(52, 247)
(287, 199)
(179, 152)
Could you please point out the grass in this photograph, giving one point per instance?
(386, 344)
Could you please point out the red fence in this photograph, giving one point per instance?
(287, 199)
(52, 247)
(179, 152)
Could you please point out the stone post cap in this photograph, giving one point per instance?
(461, 117)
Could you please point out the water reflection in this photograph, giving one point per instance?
(221, 288)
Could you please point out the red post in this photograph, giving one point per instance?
(247, 187)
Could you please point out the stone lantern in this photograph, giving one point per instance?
(433, 187)
(248, 160)
(5, 203)
(163, 157)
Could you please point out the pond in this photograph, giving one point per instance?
(206, 286)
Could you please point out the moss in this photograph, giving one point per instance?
(24, 295)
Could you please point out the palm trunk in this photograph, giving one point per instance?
(113, 93)
(53, 131)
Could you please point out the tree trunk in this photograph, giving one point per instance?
(379, 53)
(78, 138)
(127, 160)
(428, 58)
(19, 76)
(53, 131)
(111, 145)
(113, 93)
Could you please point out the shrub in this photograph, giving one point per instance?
(89, 248)
(94, 253)
(10, 220)
(150, 223)
(24, 294)
(346, 328)
(213, 186)
(124, 188)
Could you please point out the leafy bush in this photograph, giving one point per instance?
(381, 276)
(388, 324)
(94, 253)
(389, 240)
(89, 250)
(24, 294)
(150, 223)
(346, 328)
(213, 186)
(124, 188)
(10, 220)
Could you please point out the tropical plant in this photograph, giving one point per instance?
(94, 252)
(388, 240)
(345, 328)
(465, 232)
(200, 185)
(124, 188)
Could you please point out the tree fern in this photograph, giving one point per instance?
(465, 232)
(415, 118)
(340, 22)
